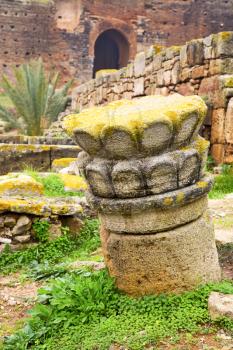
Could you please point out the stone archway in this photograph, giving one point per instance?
(111, 51)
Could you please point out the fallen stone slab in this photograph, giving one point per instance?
(224, 236)
(220, 305)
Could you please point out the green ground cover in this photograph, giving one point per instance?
(82, 309)
(223, 183)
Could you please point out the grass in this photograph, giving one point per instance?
(53, 185)
(53, 251)
(86, 312)
(223, 183)
(83, 310)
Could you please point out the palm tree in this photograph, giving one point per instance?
(37, 101)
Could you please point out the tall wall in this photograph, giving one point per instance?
(203, 67)
(64, 32)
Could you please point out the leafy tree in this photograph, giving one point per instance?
(36, 99)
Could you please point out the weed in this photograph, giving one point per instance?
(87, 312)
(53, 185)
(53, 251)
(41, 230)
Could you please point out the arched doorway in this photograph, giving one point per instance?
(111, 51)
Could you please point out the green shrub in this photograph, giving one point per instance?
(37, 101)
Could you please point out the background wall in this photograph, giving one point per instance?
(203, 67)
(64, 32)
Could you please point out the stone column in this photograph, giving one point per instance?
(144, 163)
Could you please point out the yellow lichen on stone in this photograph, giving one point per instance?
(63, 162)
(202, 184)
(136, 115)
(105, 72)
(180, 197)
(12, 185)
(228, 82)
(73, 182)
(201, 145)
(225, 36)
(168, 201)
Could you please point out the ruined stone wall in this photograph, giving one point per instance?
(64, 32)
(203, 67)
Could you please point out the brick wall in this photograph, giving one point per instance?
(64, 32)
(203, 67)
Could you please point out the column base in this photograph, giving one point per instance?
(172, 261)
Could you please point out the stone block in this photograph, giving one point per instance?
(195, 53)
(185, 89)
(228, 129)
(127, 180)
(218, 126)
(212, 87)
(175, 73)
(157, 62)
(167, 77)
(218, 152)
(160, 174)
(160, 78)
(153, 220)
(22, 226)
(183, 56)
(174, 260)
(138, 89)
(224, 44)
(22, 239)
(198, 72)
(139, 64)
(220, 305)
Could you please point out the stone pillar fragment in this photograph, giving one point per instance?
(148, 185)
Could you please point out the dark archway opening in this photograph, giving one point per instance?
(111, 51)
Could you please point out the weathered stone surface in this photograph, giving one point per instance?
(174, 260)
(5, 240)
(22, 239)
(19, 184)
(139, 64)
(153, 220)
(126, 129)
(228, 123)
(218, 126)
(73, 223)
(223, 237)
(220, 305)
(10, 221)
(127, 180)
(189, 168)
(15, 156)
(195, 53)
(156, 237)
(164, 201)
(22, 226)
(98, 176)
(161, 174)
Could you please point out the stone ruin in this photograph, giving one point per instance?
(145, 165)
